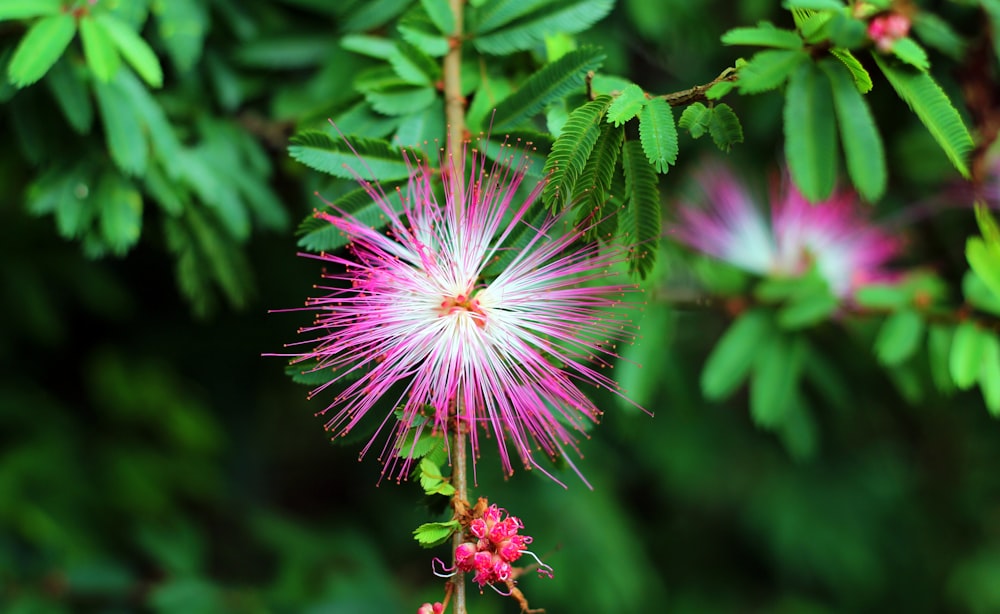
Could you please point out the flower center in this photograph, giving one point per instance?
(463, 303)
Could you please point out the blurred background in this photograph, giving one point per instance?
(152, 460)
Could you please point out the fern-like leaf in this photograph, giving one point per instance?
(642, 215)
(725, 127)
(932, 106)
(592, 194)
(370, 158)
(658, 134)
(862, 80)
(530, 29)
(551, 83)
(627, 104)
(571, 151)
(319, 235)
(763, 36)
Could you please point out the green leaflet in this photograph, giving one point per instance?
(810, 136)
(774, 381)
(99, 49)
(907, 50)
(641, 219)
(626, 105)
(133, 48)
(121, 212)
(938, 33)
(499, 35)
(571, 151)
(989, 374)
(858, 134)
(763, 36)
(440, 14)
(26, 9)
(724, 127)
(966, 356)
(413, 65)
(40, 48)
(432, 534)
(899, 338)
(734, 353)
(550, 83)
(767, 70)
(182, 25)
(592, 196)
(658, 134)
(319, 235)
(695, 119)
(123, 128)
(371, 158)
(862, 80)
(927, 99)
(983, 254)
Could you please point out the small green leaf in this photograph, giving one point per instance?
(413, 65)
(123, 129)
(934, 109)
(882, 296)
(899, 337)
(40, 48)
(735, 352)
(695, 119)
(432, 534)
(440, 14)
(26, 9)
(989, 374)
(862, 80)
(658, 134)
(858, 134)
(816, 5)
(810, 136)
(626, 105)
(719, 90)
(985, 262)
(431, 479)
(808, 309)
(375, 159)
(967, 349)
(769, 69)
(763, 36)
(724, 127)
(907, 50)
(121, 212)
(99, 49)
(133, 48)
(774, 380)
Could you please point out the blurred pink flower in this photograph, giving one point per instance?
(834, 235)
(411, 315)
(886, 29)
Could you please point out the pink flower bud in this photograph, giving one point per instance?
(464, 554)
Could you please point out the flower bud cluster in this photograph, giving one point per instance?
(436, 608)
(497, 544)
(885, 30)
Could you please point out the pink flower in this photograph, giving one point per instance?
(413, 314)
(886, 29)
(834, 235)
(436, 608)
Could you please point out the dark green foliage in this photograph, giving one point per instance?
(810, 136)
(551, 83)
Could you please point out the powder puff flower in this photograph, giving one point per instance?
(834, 235)
(412, 314)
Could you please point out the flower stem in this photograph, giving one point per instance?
(454, 107)
(455, 117)
(460, 482)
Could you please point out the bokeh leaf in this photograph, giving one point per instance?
(810, 136)
(40, 48)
